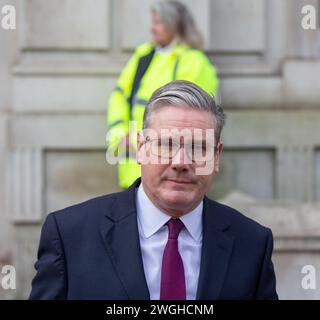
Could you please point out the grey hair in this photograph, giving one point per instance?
(185, 94)
(179, 20)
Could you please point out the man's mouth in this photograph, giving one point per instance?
(180, 181)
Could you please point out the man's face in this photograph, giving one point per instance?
(174, 187)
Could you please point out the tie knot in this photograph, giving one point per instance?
(175, 226)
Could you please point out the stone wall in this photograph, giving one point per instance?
(58, 68)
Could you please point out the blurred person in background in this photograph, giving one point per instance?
(173, 54)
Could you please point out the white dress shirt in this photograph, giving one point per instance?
(153, 234)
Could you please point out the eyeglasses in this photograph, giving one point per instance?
(167, 148)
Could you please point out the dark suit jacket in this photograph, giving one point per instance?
(92, 251)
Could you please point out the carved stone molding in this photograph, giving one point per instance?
(24, 184)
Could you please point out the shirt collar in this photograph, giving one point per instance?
(152, 219)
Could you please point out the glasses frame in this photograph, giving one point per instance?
(149, 140)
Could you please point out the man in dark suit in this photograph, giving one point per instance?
(162, 238)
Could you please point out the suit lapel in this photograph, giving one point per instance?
(120, 234)
(216, 252)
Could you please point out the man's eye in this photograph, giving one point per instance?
(167, 143)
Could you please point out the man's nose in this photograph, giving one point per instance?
(180, 160)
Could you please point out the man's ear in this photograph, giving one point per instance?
(217, 156)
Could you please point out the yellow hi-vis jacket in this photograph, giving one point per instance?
(178, 63)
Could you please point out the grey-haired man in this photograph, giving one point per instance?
(162, 238)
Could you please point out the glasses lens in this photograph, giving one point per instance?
(165, 148)
(199, 153)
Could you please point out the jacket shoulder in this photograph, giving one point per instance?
(86, 211)
(144, 48)
(191, 54)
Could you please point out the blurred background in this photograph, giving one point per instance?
(57, 70)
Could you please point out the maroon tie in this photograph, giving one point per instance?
(173, 286)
